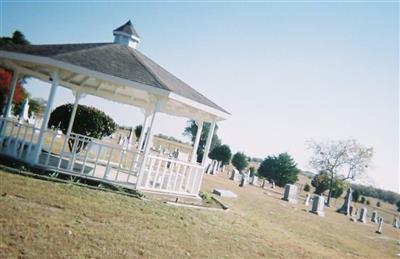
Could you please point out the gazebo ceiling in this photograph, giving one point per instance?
(113, 71)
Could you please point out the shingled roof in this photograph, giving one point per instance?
(116, 60)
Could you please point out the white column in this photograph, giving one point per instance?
(147, 144)
(208, 143)
(143, 133)
(46, 116)
(11, 91)
(196, 141)
(78, 96)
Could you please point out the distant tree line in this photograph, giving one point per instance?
(370, 191)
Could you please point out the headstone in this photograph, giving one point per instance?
(379, 231)
(290, 194)
(318, 205)
(243, 181)
(233, 175)
(263, 183)
(396, 222)
(374, 217)
(273, 184)
(345, 209)
(254, 180)
(363, 215)
(307, 200)
(224, 193)
(24, 115)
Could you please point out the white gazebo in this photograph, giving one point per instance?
(115, 71)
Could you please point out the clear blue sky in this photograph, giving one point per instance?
(287, 72)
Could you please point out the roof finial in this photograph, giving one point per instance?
(126, 35)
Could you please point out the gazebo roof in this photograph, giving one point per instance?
(117, 61)
(128, 29)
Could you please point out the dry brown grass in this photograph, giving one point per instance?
(53, 220)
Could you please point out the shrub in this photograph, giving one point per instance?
(89, 121)
(239, 161)
(307, 187)
(368, 202)
(362, 201)
(378, 204)
(282, 169)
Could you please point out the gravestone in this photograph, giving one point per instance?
(318, 205)
(345, 209)
(374, 217)
(290, 194)
(307, 200)
(224, 193)
(379, 231)
(263, 183)
(396, 222)
(243, 180)
(254, 180)
(363, 215)
(351, 210)
(233, 175)
(273, 184)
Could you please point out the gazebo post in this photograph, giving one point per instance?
(78, 96)
(10, 97)
(208, 143)
(147, 143)
(11, 92)
(143, 133)
(197, 140)
(46, 116)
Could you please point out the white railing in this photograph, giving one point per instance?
(91, 158)
(17, 139)
(95, 159)
(169, 175)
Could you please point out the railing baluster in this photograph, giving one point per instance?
(176, 176)
(21, 150)
(156, 174)
(121, 155)
(149, 172)
(85, 159)
(108, 164)
(185, 168)
(194, 180)
(97, 159)
(50, 148)
(16, 140)
(73, 154)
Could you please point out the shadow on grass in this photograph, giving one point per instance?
(10, 165)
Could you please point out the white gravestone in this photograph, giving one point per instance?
(307, 200)
(374, 217)
(363, 215)
(254, 180)
(24, 115)
(273, 184)
(379, 231)
(290, 194)
(318, 205)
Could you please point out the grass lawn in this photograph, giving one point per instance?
(52, 220)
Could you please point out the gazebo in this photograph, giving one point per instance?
(115, 71)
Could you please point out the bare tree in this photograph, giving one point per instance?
(340, 156)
